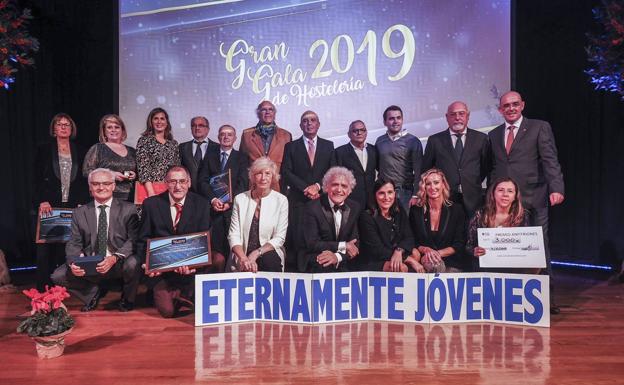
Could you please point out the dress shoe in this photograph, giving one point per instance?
(125, 306)
(554, 310)
(99, 294)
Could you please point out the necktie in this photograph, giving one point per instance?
(311, 151)
(102, 231)
(336, 208)
(224, 158)
(510, 139)
(198, 151)
(178, 207)
(459, 147)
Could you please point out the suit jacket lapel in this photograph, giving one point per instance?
(346, 214)
(112, 219)
(329, 214)
(75, 161)
(448, 143)
(354, 157)
(189, 153)
(468, 143)
(520, 135)
(444, 219)
(91, 220)
(498, 138)
(257, 141)
(55, 160)
(165, 213)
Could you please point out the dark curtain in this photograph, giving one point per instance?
(76, 72)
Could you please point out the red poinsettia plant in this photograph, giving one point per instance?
(49, 315)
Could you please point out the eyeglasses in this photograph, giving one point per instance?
(62, 124)
(358, 131)
(199, 125)
(263, 110)
(101, 184)
(173, 182)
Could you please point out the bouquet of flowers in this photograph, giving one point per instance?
(49, 315)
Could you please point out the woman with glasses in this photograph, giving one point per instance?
(385, 236)
(437, 225)
(156, 152)
(112, 154)
(58, 183)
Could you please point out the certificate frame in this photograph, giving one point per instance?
(512, 247)
(56, 227)
(168, 253)
(221, 185)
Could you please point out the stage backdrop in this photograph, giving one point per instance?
(346, 60)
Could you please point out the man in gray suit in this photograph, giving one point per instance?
(524, 149)
(463, 155)
(108, 227)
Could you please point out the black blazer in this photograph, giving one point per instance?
(156, 218)
(48, 176)
(471, 169)
(296, 171)
(377, 241)
(320, 233)
(211, 165)
(364, 180)
(450, 233)
(188, 160)
(532, 161)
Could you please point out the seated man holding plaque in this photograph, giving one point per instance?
(176, 211)
(222, 176)
(101, 247)
(503, 208)
(331, 227)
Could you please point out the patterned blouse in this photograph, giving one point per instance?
(154, 158)
(100, 155)
(65, 165)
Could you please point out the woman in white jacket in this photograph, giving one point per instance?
(259, 222)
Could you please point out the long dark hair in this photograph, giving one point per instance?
(149, 129)
(516, 211)
(394, 209)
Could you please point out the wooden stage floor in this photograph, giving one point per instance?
(583, 346)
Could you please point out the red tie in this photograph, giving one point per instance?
(510, 139)
(178, 207)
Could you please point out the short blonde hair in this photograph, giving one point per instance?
(260, 164)
(112, 118)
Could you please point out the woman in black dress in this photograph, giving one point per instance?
(112, 154)
(437, 225)
(385, 236)
(59, 183)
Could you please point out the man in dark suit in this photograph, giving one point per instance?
(306, 160)
(361, 158)
(265, 138)
(193, 152)
(108, 227)
(218, 162)
(176, 211)
(331, 231)
(463, 155)
(524, 149)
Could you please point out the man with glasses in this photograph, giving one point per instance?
(105, 227)
(361, 158)
(463, 155)
(176, 211)
(193, 152)
(265, 138)
(524, 149)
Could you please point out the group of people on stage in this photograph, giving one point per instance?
(299, 205)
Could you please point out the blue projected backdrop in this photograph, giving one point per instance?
(346, 60)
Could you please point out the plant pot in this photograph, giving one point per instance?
(51, 346)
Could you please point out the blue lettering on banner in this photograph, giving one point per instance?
(419, 314)
(263, 290)
(209, 300)
(531, 286)
(377, 283)
(281, 299)
(512, 299)
(244, 298)
(341, 298)
(472, 298)
(492, 299)
(456, 296)
(436, 285)
(394, 298)
(322, 299)
(300, 302)
(359, 298)
(227, 285)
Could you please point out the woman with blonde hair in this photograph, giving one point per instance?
(259, 222)
(437, 225)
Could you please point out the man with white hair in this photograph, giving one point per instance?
(330, 223)
(105, 227)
